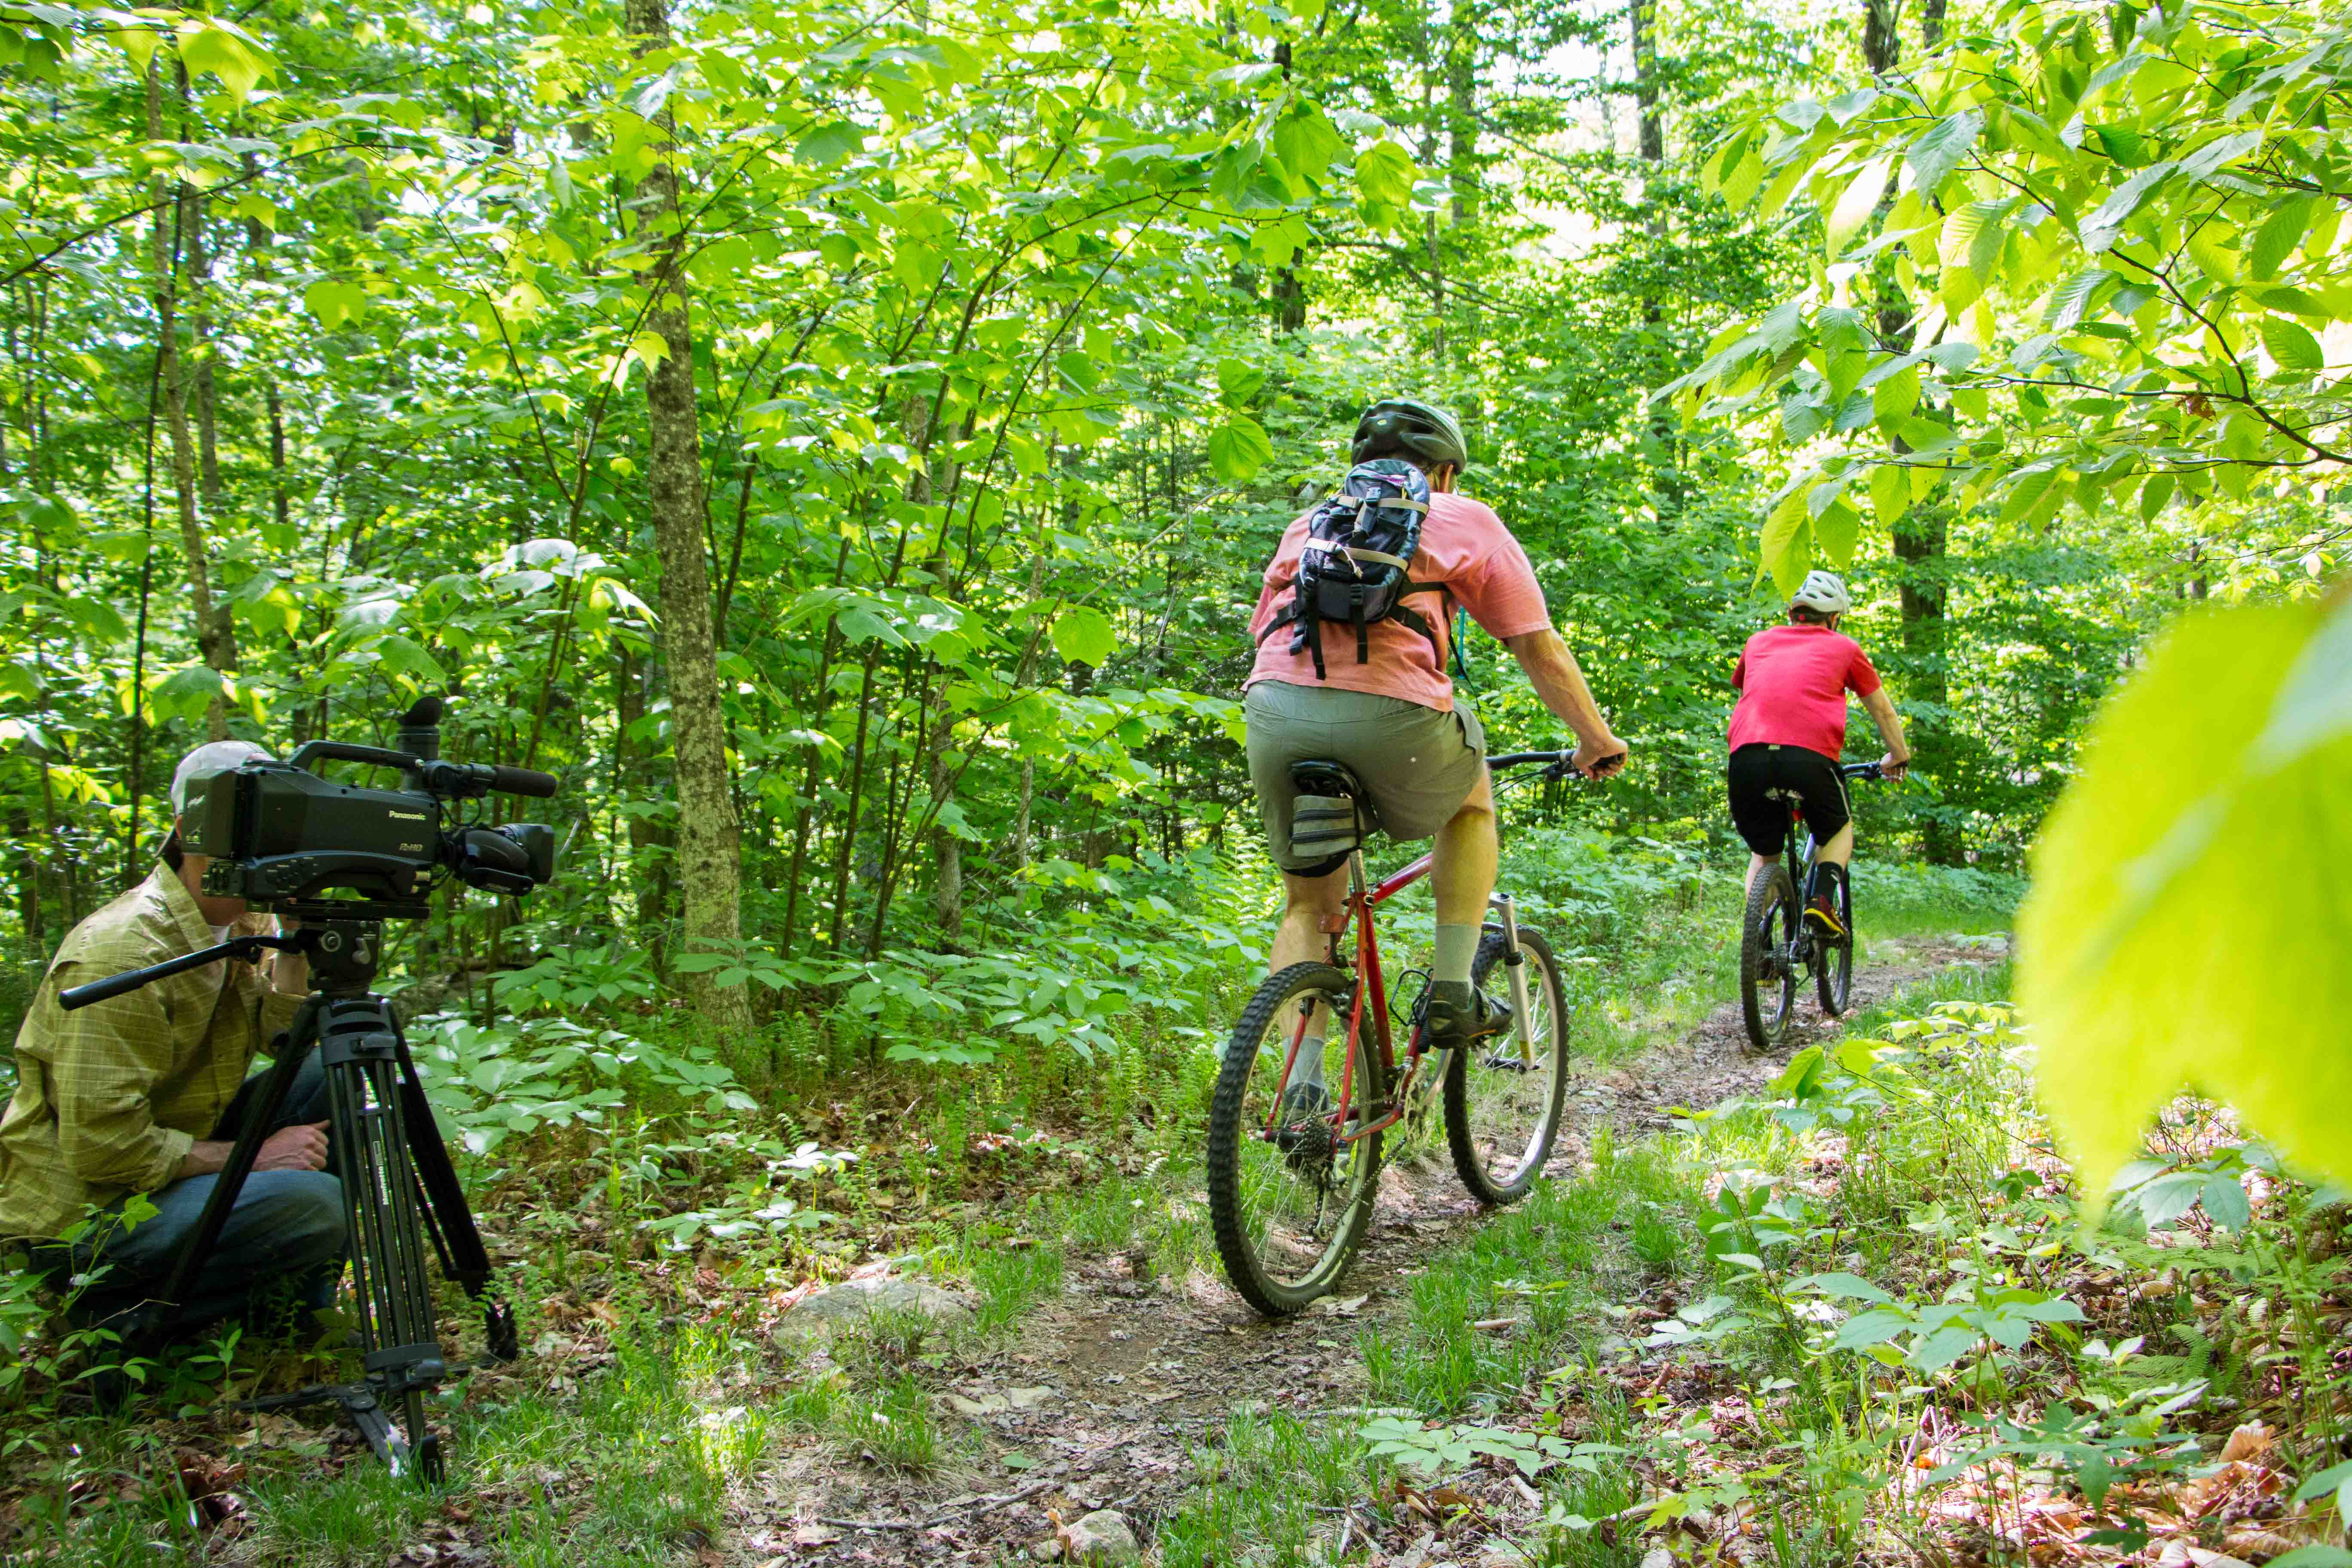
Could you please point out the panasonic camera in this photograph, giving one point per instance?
(288, 840)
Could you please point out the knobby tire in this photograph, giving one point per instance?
(1833, 965)
(1771, 891)
(1546, 990)
(1231, 1122)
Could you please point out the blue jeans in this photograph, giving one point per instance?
(286, 1226)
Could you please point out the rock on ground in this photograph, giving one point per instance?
(1103, 1536)
(823, 1312)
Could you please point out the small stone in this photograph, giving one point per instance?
(1657, 1557)
(824, 1313)
(1103, 1536)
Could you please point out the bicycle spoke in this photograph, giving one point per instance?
(1289, 1191)
(1504, 1096)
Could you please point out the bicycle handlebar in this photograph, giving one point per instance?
(1862, 770)
(1563, 763)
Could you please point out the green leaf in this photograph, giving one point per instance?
(1083, 635)
(1860, 200)
(335, 302)
(2277, 238)
(1306, 144)
(1872, 1328)
(1890, 493)
(187, 693)
(2292, 345)
(227, 50)
(1845, 1286)
(2176, 930)
(1938, 151)
(409, 657)
(2225, 1200)
(828, 143)
(1238, 449)
(1788, 549)
(1238, 381)
(1385, 173)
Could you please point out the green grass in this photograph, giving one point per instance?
(1570, 1265)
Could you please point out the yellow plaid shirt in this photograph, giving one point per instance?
(111, 1097)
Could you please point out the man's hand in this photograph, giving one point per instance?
(298, 1148)
(1599, 759)
(1891, 766)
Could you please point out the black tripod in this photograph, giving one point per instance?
(399, 1187)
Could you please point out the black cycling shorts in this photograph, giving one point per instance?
(1764, 778)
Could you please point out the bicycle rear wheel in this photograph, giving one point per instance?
(1767, 981)
(1289, 1199)
(1834, 962)
(1503, 1095)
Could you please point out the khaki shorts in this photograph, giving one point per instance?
(1417, 764)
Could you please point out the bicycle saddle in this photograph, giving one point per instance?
(1328, 816)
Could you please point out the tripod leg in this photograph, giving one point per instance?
(450, 1218)
(251, 1134)
(359, 1048)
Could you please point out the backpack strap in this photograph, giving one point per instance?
(1420, 623)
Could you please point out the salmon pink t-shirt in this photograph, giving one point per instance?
(1792, 683)
(1465, 547)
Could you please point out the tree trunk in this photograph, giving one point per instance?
(1931, 24)
(649, 866)
(1651, 129)
(1650, 142)
(1462, 113)
(1920, 534)
(215, 637)
(709, 839)
(200, 337)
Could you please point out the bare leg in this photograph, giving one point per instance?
(1467, 853)
(1757, 866)
(1838, 851)
(1299, 937)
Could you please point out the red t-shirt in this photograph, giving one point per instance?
(1792, 683)
(1464, 546)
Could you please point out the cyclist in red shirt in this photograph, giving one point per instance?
(1788, 730)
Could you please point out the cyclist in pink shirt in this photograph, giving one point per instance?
(1394, 721)
(1788, 731)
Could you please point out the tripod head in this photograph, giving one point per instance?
(343, 956)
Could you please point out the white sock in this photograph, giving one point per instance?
(1308, 1067)
(1457, 950)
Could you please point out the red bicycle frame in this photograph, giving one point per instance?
(1371, 988)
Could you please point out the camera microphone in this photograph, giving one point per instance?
(524, 781)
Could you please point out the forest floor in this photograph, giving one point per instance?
(1625, 1363)
(1115, 1387)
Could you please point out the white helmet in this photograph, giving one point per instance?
(1825, 592)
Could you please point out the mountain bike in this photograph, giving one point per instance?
(1778, 946)
(1292, 1183)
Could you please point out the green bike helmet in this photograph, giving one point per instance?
(1408, 427)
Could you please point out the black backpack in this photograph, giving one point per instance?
(1354, 569)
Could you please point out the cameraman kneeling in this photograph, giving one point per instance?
(145, 1092)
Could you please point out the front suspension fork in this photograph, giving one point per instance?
(1515, 967)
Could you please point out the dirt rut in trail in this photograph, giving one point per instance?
(1107, 1393)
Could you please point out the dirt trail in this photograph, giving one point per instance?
(1107, 1391)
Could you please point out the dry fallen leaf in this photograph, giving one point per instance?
(1337, 1307)
(2246, 1442)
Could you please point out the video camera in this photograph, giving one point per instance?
(281, 837)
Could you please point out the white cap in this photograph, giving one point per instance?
(212, 757)
(1825, 592)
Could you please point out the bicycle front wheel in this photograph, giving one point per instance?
(1291, 1180)
(1767, 981)
(1503, 1095)
(1834, 962)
